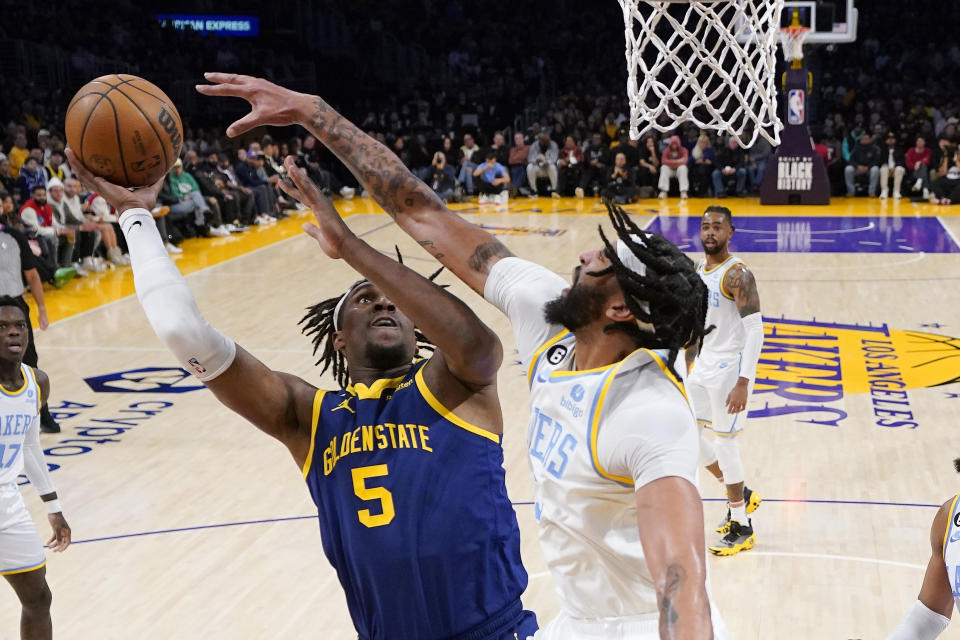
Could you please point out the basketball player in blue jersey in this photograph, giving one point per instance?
(22, 561)
(940, 593)
(404, 461)
(612, 438)
(722, 372)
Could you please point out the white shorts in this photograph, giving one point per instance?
(563, 627)
(21, 549)
(708, 386)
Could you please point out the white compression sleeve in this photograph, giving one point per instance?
(34, 464)
(168, 303)
(753, 326)
(919, 623)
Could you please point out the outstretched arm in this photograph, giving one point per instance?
(930, 614)
(471, 350)
(465, 249)
(670, 519)
(278, 404)
(739, 281)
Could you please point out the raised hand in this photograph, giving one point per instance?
(330, 231)
(121, 198)
(270, 104)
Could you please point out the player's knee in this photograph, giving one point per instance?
(728, 455)
(37, 597)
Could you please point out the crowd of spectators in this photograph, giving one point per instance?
(496, 116)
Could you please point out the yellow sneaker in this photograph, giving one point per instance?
(739, 538)
(753, 500)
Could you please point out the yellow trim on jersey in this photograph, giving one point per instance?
(595, 426)
(946, 532)
(722, 290)
(7, 392)
(705, 270)
(374, 391)
(546, 345)
(449, 415)
(36, 384)
(314, 423)
(24, 570)
(666, 370)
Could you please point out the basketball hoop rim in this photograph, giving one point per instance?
(795, 31)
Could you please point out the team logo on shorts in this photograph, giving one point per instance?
(556, 354)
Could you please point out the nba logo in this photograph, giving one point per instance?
(795, 99)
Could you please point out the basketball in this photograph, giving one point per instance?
(124, 129)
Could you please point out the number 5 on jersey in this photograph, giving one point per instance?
(360, 476)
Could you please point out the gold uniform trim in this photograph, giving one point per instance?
(8, 392)
(546, 345)
(449, 415)
(36, 384)
(946, 532)
(24, 570)
(314, 423)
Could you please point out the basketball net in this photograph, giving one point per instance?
(709, 62)
(791, 39)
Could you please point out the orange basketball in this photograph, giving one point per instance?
(124, 129)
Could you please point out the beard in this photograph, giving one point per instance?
(715, 249)
(581, 306)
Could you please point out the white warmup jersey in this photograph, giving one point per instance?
(951, 551)
(20, 546)
(717, 368)
(594, 438)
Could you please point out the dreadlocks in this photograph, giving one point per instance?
(669, 295)
(321, 322)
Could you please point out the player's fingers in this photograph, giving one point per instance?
(226, 78)
(244, 124)
(290, 190)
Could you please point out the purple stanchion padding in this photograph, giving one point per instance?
(817, 234)
(795, 174)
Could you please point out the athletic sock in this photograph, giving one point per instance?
(738, 512)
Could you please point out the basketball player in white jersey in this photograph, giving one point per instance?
(22, 559)
(940, 593)
(722, 375)
(612, 439)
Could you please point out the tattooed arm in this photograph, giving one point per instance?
(670, 520)
(740, 282)
(460, 246)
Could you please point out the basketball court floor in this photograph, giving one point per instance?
(190, 523)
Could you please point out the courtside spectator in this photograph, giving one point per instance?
(493, 179)
(919, 161)
(621, 187)
(701, 165)
(731, 164)
(649, 165)
(865, 161)
(893, 162)
(442, 178)
(569, 166)
(517, 161)
(757, 157)
(18, 154)
(31, 175)
(596, 169)
(469, 154)
(542, 163)
(674, 165)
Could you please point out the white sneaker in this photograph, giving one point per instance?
(663, 195)
(926, 194)
(683, 195)
(578, 192)
(172, 248)
(81, 272)
(883, 194)
(347, 192)
(918, 184)
(482, 199)
(220, 232)
(896, 195)
(503, 198)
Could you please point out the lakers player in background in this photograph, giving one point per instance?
(723, 372)
(23, 389)
(929, 616)
(403, 461)
(612, 439)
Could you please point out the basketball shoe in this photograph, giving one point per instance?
(739, 538)
(753, 500)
